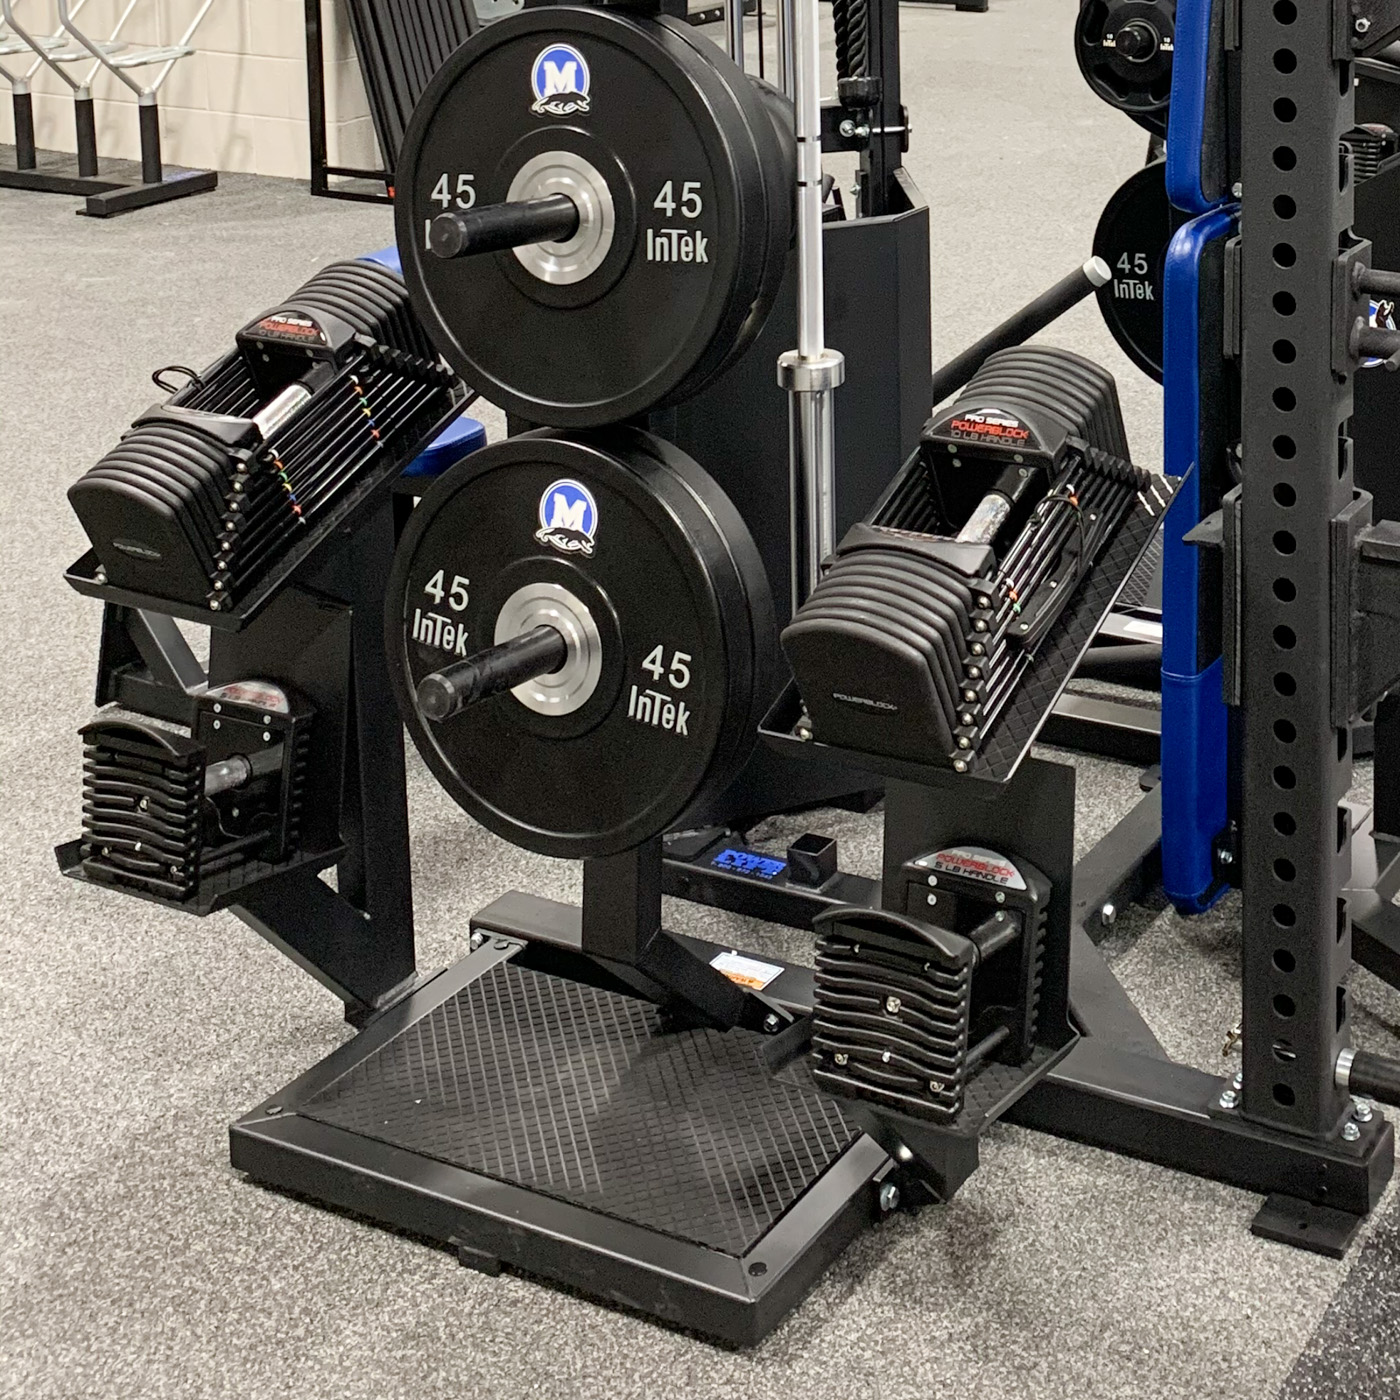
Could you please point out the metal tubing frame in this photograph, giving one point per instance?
(810, 373)
(1296, 764)
(321, 169)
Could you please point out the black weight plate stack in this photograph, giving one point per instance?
(1125, 50)
(1134, 230)
(700, 185)
(680, 600)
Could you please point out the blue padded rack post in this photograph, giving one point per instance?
(1194, 731)
(1196, 163)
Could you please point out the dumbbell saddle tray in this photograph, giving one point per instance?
(1010, 738)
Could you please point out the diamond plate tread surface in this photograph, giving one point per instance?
(581, 1094)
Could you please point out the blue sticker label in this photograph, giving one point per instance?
(560, 81)
(568, 517)
(1382, 317)
(748, 863)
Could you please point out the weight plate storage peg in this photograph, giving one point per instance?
(580, 638)
(594, 212)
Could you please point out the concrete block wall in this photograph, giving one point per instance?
(239, 103)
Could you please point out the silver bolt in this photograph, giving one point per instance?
(267, 719)
(1362, 1111)
(267, 736)
(1363, 25)
(1001, 896)
(889, 1196)
(979, 626)
(975, 672)
(966, 717)
(771, 1022)
(1229, 1099)
(475, 941)
(145, 804)
(218, 708)
(1227, 858)
(1108, 914)
(964, 742)
(969, 696)
(1023, 471)
(100, 576)
(841, 1057)
(1237, 190)
(1350, 1132)
(983, 602)
(1238, 1080)
(218, 724)
(933, 879)
(931, 898)
(885, 1058)
(1001, 914)
(978, 650)
(935, 1087)
(892, 1005)
(960, 765)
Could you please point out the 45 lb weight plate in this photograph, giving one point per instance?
(580, 635)
(594, 212)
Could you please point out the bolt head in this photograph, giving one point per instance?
(1362, 1111)
(1227, 857)
(847, 128)
(1001, 896)
(1238, 1080)
(889, 1196)
(1108, 914)
(1363, 25)
(1350, 1132)
(885, 1058)
(1229, 1099)
(960, 765)
(841, 1057)
(771, 1022)
(933, 879)
(892, 1005)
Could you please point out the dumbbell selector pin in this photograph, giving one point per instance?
(503, 667)
(495, 227)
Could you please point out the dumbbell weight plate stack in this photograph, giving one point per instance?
(623, 544)
(682, 170)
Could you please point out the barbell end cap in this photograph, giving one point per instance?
(1098, 272)
(799, 374)
(437, 698)
(447, 236)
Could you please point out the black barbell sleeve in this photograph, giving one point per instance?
(1018, 328)
(1375, 1077)
(493, 227)
(503, 667)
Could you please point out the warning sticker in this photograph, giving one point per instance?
(747, 972)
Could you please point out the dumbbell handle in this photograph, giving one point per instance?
(503, 667)
(497, 226)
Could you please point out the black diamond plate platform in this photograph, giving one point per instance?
(565, 1131)
(580, 1093)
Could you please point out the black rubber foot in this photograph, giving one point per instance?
(1318, 1229)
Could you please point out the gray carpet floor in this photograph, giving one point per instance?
(135, 1263)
